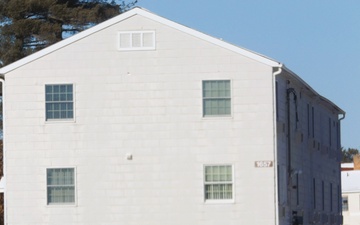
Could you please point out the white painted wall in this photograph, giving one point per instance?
(148, 104)
(352, 215)
(350, 189)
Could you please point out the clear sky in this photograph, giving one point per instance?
(319, 40)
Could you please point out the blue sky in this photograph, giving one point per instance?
(318, 40)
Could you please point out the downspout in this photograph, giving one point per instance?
(290, 91)
(343, 117)
(276, 188)
(339, 145)
(2, 80)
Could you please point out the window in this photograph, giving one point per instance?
(60, 186)
(339, 202)
(277, 99)
(218, 182)
(59, 101)
(314, 193)
(345, 203)
(308, 119)
(323, 194)
(216, 98)
(331, 197)
(297, 190)
(330, 132)
(136, 40)
(313, 121)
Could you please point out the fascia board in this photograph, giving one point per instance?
(322, 98)
(67, 41)
(247, 53)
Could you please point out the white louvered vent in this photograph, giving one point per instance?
(136, 40)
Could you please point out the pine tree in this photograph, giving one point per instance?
(348, 154)
(27, 26)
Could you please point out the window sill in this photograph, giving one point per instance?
(53, 205)
(221, 201)
(218, 117)
(55, 121)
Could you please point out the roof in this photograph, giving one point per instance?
(149, 15)
(347, 165)
(350, 181)
(324, 100)
(145, 13)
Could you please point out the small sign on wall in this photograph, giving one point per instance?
(263, 164)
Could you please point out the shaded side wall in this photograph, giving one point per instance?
(310, 177)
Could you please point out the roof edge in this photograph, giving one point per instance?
(67, 41)
(299, 79)
(248, 53)
(143, 12)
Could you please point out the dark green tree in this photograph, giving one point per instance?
(27, 26)
(348, 154)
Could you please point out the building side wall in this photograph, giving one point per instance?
(310, 170)
(147, 104)
(352, 214)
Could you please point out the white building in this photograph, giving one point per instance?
(143, 121)
(350, 183)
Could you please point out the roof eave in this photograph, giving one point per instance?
(143, 12)
(296, 77)
(67, 41)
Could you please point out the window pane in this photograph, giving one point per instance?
(56, 114)
(56, 88)
(62, 88)
(48, 88)
(218, 191)
(345, 206)
(136, 40)
(125, 41)
(69, 88)
(62, 97)
(69, 96)
(69, 114)
(56, 97)
(148, 39)
(49, 97)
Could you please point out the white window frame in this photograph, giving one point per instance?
(343, 199)
(219, 201)
(132, 48)
(203, 100)
(73, 101)
(75, 185)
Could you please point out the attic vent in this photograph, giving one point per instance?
(136, 40)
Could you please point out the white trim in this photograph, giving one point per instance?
(275, 104)
(351, 192)
(250, 54)
(129, 14)
(2, 81)
(132, 48)
(310, 89)
(2, 184)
